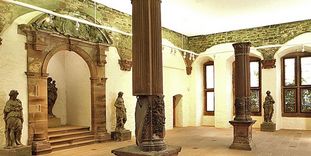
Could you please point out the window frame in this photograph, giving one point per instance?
(255, 59)
(206, 90)
(297, 87)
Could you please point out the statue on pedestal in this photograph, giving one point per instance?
(13, 117)
(268, 107)
(268, 125)
(120, 133)
(120, 112)
(52, 95)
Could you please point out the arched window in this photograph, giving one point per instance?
(255, 85)
(209, 94)
(296, 84)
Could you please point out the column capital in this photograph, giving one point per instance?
(241, 47)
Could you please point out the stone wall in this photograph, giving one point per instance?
(105, 16)
(267, 35)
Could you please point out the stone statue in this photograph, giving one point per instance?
(120, 112)
(268, 107)
(13, 117)
(52, 95)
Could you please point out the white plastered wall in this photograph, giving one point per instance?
(175, 81)
(56, 69)
(292, 45)
(13, 65)
(72, 76)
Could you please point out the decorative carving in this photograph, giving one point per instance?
(268, 107)
(0, 41)
(13, 117)
(52, 95)
(150, 122)
(125, 65)
(189, 59)
(120, 112)
(268, 64)
(70, 28)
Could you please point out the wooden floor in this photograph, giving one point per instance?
(208, 141)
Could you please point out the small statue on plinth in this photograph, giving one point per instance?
(13, 117)
(52, 95)
(120, 133)
(268, 125)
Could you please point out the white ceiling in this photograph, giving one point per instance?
(199, 17)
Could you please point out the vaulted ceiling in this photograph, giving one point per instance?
(200, 17)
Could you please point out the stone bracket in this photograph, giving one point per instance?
(268, 64)
(125, 65)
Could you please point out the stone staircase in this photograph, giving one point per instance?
(69, 136)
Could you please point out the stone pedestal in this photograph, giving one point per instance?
(121, 135)
(242, 135)
(135, 151)
(54, 122)
(268, 127)
(19, 151)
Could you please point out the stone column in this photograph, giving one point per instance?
(242, 122)
(148, 75)
(148, 82)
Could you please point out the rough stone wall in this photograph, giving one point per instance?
(105, 16)
(267, 35)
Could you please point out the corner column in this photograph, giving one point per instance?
(242, 122)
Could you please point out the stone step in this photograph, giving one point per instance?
(66, 129)
(72, 145)
(69, 135)
(71, 140)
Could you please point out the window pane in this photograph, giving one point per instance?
(289, 72)
(254, 71)
(306, 100)
(306, 71)
(254, 100)
(290, 100)
(210, 76)
(210, 101)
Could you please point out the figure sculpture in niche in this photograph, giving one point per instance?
(13, 117)
(268, 107)
(120, 112)
(52, 95)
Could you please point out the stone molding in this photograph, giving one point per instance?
(125, 65)
(268, 64)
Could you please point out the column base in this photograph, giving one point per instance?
(102, 137)
(121, 135)
(18, 151)
(268, 127)
(41, 147)
(242, 135)
(54, 122)
(134, 150)
(152, 145)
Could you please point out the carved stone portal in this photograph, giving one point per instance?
(41, 46)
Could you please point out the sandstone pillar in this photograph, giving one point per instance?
(242, 122)
(148, 82)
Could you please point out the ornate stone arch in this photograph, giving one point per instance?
(41, 45)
